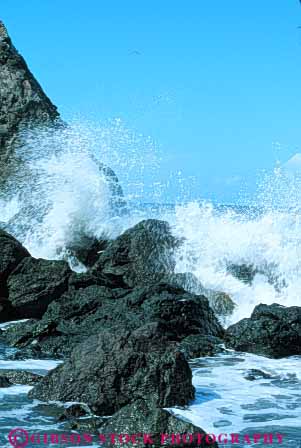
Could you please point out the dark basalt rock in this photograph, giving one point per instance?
(74, 411)
(256, 374)
(20, 376)
(34, 284)
(197, 346)
(84, 311)
(247, 272)
(142, 418)
(142, 255)
(272, 330)
(220, 302)
(4, 382)
(11, 254)
(110, 370)
(86, 249)
(243, 272)
(22, 102)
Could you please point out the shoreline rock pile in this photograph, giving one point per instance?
(127, 327)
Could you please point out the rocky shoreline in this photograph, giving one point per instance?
(124, 332)
(128, 326)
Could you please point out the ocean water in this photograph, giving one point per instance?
(58, 194)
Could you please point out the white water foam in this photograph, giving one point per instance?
(270, 242)
(61, 191)
(226, 401)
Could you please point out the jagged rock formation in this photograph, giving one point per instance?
(22, 101)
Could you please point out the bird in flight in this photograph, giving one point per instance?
(137, 52)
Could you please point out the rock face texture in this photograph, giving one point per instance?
(272, 330)
(22, 101)
(158, 424)
(179, 316)
(110, 370)
(11, 254)
(35, 283)
(142, 255)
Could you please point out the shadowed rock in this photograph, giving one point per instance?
(89, 307)
(158, 424)
(142, 255)
(11, 254)
(272, 330)
(34, 284)
(110, 370)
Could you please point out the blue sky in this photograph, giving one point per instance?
(215, 83)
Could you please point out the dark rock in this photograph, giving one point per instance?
(86, 249)
(22, 101)
(20, 376)
(197, 346)
(220, 302)
(247, 272)
(272, 330)
(143, 255)
(7, 312)
(110, 370)
(11, 254)
(141, 418)
(243, 272)
(88, 425)
(85, 311)
(4, 382)
(256, 374)
(35, 283)
(74, 411)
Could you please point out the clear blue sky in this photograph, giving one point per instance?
(214, 82)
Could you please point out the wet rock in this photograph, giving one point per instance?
(109, 370)
(247, 272)
(220, 302)
(85, 311)
(256, 374)
(142, 255)
(272, 330)
(11, 254)
(86, 249)
(74, 411)
(34, 284)
(20, 376)
(4, 382)
(243, 272)
(197, 346)
(143, 418)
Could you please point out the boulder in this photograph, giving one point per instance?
(153, 427)
(112, 369)
(83, 311)
(272, 330)
(4, 382)
(142, 255)
(34, 284)
(11, 254)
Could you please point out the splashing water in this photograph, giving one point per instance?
(63, 189)
(269, 242)
(61, 192)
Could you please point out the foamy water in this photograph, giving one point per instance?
(59, 194)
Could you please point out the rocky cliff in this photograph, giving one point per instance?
(23, 103)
